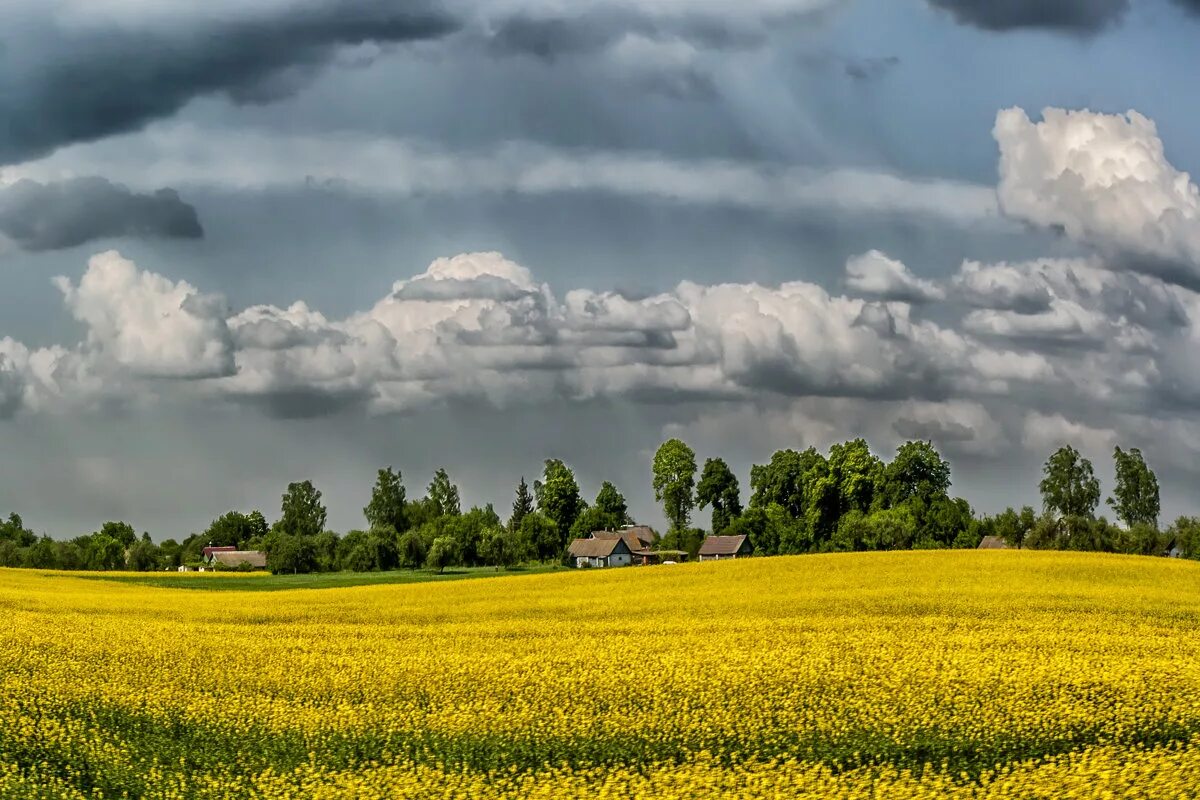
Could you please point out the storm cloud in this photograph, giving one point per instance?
(52, 216)
(72, 76)
(1068, 16)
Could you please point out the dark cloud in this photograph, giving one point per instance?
(1075, 16)
(1190, 5)
(549, 38)
(53, 216)
(869, 69)
(64, 85)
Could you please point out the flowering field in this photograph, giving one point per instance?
(897, 675)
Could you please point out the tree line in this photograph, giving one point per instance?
(848, 499)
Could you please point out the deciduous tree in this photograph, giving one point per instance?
(302, 511)
(558, 499)
(1069, 488)
(674, 472)
(718, 488)
(1135, 499)
(386, 508)
(443, 495)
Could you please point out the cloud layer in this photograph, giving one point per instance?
(976, 360)
(1072, 16)
(51, 216)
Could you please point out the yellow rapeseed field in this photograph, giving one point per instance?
(892, 675)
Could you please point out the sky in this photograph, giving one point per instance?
(250, 242)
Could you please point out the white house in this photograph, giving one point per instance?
(613, 552)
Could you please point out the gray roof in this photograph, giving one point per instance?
(597, 548)
(993, 543)
(232, 558)
(723, 545)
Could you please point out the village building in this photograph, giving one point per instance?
(993, 543)
(719, 548)
(1173, 550)
(256, 559)
(207, 552)
(593, 552)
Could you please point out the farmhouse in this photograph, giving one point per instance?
(207, 552)
(993, 543)
(719, 548)
(594, 552)
(639, 538)
(236, 558)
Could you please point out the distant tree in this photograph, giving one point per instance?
(302, 511)
(1007, 525)
(753, 523)
(234, 529)
(609, 513)
(467, 531)
(442, 553)
(522, 505)
(802, 485)
(1029, 519)
(1184, 532)
(104, 552)
(781, 482)
(558, 499)
(542, 533)
(592, 519)
(1140, 539)
(917, 472)
(502, 547)
(258, 524)
(1135, 499)
(718, 488)
(611, 503)
(292, 554)
(386, 508)
(674, 471)
(411, 550)
(891, 529)
(14, 531)
(1069, 488)
(122, 532)
(857, 472)
(443, 495)
(143, 556)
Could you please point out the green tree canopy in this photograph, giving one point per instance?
(14, 530)
(1135, 499)
(443, 495)
(558, 498)
(122, 532)
(234, 528)
(674, 471)
(292, 554)
(442, 553)
(611, 503)
(857, 472)
(1069, 487)
(386, 508)
(302, 511)
(917, 472)
(718, 488)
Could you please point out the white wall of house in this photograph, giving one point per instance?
(620, 560)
